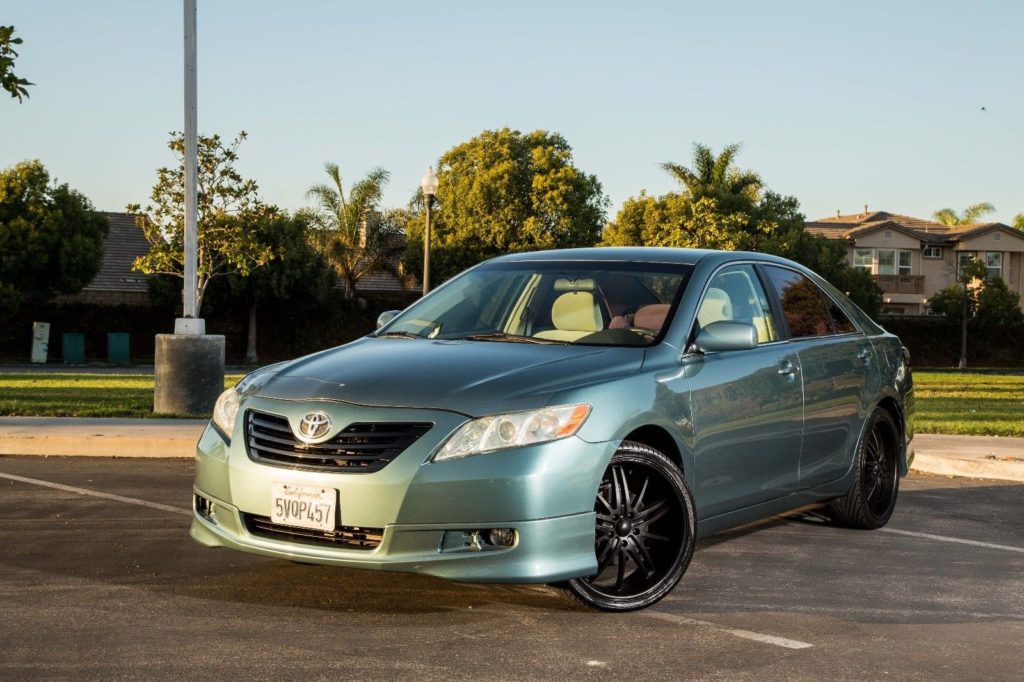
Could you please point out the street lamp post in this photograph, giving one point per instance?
(429, 186)
(188, 365)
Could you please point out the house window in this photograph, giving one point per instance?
(904, 262)
(886, 262)
(862, 258)
(933, 252)
(963, 259)
(994, 264)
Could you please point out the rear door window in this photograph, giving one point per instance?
(803, 305)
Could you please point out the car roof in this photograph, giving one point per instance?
(639, 254)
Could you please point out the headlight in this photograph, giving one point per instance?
(226, 408)
(513, 430)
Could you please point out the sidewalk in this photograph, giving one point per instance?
(971, 456)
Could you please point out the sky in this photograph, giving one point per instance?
(842, 104)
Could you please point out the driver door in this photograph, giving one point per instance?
(747, 405)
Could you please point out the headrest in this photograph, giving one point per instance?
(651, 316)
(576, 311)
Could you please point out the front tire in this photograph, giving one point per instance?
(645, 532)
(872, 497)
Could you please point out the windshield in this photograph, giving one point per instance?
(589, 303)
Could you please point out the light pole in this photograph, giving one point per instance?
(429, 186)
(188, 365)
(190, 325)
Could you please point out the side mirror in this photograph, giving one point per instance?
(726, 335)
(386, 317)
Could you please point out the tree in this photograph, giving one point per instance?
(721, 207)
(502, 192)
(296, 271)
(51, 239)
(352, 233)
(716, 177)
(989, 300)
(1018, 221)
(971, 214)
(227, 205)
(8, 81)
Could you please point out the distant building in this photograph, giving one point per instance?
(911, 259)
(116, 283)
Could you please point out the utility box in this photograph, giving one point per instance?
(40, 341)
(117, 348)
(73, 348)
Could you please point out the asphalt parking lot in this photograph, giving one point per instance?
(98, 586)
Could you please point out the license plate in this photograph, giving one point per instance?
(303, 506)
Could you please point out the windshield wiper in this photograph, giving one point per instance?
(511, 338)
(399, 335)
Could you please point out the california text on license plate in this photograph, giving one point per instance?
(303, 506)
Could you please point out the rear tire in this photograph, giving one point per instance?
(872, 497)
(645, 532)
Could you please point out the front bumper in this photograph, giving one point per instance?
(545, 492)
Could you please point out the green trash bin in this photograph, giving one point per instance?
(117, 348)
(73, 348)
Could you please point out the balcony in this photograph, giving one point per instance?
(900, 284)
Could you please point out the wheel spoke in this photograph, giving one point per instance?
(607, 505)
(624, 504)
(652, 513)
(871, 492)
(642, 557)
(654, 536)
(621, 576)
(638, 503)
(609, 553)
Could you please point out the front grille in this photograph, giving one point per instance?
(349, 537)
(358, 448)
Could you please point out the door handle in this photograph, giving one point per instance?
(787, 368)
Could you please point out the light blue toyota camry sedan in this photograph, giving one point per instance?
(575, 417)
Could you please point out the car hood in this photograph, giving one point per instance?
(470, 377)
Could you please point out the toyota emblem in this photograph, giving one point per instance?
(314, 426)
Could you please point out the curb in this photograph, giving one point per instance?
(951, 464)
(66, 437)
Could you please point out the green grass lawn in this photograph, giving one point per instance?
(947, 401)
(973, 404)
(80, 395)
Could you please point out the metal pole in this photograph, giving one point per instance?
(191, 162)
(963, 331)
(426, 248)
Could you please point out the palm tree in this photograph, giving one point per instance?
(717, 177)
(354, 236)
(971, 214)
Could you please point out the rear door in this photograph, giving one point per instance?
(747, 405)
(835, 359)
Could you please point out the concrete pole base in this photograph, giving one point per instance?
(189, 372)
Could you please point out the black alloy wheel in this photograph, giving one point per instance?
(645, 532)
(872, 497)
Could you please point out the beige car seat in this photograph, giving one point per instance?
(717, 306)
(574, 314)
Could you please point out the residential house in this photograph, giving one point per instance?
(116, 283)
(911, 259)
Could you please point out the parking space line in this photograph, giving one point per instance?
(94, 493)
(745, 634)
(943, 538)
